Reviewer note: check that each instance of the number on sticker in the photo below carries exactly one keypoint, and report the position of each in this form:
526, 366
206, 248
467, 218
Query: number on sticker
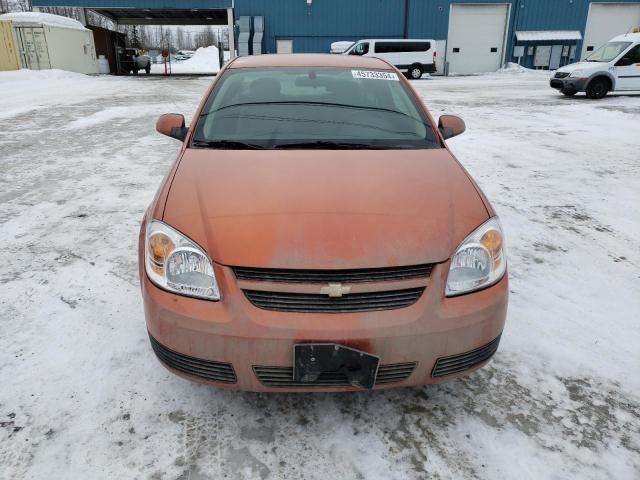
374, 75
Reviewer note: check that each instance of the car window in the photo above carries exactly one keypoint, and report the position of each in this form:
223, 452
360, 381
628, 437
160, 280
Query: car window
360, 49
347, 108
634, 54
608, 52
400, 47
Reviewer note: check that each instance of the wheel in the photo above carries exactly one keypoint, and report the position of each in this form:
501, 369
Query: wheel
135, 71
598, 88
415, 72
148, 69
569, 93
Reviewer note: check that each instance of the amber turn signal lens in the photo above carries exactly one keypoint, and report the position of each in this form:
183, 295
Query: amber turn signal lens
160, 246
492, 241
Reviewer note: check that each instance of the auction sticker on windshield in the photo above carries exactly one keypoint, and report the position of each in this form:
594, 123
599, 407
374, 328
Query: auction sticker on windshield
374, 75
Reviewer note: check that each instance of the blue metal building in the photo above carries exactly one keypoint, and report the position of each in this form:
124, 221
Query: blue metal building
551, 31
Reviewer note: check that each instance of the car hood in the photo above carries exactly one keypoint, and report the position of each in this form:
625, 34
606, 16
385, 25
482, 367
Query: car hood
323, 209
578, 66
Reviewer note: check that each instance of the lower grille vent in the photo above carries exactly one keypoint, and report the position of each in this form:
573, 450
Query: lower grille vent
283, 376
464, 361
196, 367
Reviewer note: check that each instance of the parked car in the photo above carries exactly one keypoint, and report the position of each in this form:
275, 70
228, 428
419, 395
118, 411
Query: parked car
615, 66
340, 47
316, 233
132, 61
414, 57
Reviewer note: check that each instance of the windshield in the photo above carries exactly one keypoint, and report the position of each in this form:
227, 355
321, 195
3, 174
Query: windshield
312, 108
608, 52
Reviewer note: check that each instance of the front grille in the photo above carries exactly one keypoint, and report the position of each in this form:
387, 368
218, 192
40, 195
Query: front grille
283, 376
352, 302
326, 276
196, 367
561, 74
464, 361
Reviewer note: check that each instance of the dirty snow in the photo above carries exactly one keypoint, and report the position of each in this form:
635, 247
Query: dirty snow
82, 395
31, 18
204, 61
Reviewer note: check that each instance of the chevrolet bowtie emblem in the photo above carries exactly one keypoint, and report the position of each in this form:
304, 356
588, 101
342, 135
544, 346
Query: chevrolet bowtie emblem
335, 290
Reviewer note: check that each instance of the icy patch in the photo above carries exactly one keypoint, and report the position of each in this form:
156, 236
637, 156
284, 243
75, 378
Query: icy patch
102, 116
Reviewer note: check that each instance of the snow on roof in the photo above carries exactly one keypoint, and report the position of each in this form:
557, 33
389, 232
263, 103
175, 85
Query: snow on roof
539, 35
43, 19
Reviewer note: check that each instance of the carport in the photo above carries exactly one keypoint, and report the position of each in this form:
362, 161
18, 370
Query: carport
155, 12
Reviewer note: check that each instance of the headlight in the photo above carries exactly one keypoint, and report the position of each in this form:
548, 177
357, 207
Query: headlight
479, 261
177, 264
576, 74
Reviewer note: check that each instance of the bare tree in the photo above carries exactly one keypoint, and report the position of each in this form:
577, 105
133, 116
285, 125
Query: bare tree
180, 42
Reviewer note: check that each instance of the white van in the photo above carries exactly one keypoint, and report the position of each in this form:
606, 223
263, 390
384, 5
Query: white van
615, 66
413, 56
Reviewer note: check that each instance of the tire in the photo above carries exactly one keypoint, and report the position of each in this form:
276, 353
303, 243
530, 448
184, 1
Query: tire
147, 69
598, 88
569, 93
415, 72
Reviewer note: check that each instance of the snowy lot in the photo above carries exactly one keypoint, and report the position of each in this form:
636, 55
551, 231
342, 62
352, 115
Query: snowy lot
82, 395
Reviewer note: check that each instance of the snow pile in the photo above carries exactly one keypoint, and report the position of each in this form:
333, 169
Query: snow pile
205, 60
25, 90
49, 19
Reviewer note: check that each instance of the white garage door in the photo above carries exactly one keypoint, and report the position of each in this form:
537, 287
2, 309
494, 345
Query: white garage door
476, 37
607, 20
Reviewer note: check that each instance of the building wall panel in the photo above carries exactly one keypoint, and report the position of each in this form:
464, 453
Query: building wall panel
314, 27
8, 48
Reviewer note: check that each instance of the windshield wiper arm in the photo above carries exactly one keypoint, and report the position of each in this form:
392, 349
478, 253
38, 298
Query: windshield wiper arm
321, 104
327, 144
226, 144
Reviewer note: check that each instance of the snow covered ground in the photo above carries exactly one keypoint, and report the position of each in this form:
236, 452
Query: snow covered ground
204, 60
82, 396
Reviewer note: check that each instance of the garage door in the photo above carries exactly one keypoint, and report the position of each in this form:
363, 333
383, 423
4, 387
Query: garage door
605, 21
476, 37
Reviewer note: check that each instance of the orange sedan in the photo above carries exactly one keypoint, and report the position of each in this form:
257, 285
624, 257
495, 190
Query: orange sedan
316, 233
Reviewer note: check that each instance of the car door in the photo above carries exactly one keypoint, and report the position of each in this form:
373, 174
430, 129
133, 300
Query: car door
628, 70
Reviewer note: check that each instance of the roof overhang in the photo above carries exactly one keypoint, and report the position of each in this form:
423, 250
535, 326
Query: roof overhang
147, 16
152, 12
547, 35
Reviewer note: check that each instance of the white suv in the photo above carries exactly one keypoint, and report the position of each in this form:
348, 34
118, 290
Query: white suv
414, 56
613, 67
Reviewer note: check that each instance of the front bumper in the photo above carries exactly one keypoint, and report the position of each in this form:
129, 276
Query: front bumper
568, 84
234, 344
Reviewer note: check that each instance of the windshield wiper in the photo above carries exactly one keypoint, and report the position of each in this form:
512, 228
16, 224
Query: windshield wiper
328, 145
320, 104
226, 144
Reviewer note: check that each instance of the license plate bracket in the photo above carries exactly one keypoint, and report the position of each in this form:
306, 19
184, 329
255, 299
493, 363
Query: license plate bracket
310, 360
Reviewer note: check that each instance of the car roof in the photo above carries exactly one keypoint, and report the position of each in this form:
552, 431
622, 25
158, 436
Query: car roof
309, 60
627, 37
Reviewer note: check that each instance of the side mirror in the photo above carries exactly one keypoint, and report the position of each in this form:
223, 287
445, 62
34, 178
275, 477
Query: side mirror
624, 62
172, 125
451, 126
